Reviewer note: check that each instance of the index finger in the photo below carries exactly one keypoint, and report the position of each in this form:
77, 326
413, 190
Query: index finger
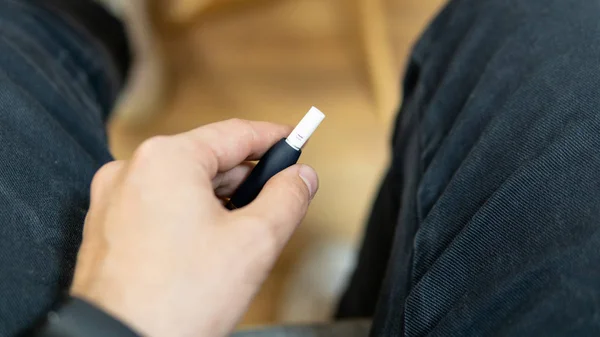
231, 142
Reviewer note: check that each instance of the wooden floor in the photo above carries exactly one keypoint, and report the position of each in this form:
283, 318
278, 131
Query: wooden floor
272, 62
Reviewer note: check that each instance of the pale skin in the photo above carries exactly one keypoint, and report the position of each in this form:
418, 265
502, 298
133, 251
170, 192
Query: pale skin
162, 254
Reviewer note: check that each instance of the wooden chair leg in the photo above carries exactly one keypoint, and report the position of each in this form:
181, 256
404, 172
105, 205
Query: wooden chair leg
186, 11
183, 11
378, 54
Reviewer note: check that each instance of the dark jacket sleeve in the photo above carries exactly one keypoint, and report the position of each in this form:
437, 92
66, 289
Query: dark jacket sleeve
78, 318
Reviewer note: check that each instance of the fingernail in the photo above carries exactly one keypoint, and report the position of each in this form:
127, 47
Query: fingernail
310, 178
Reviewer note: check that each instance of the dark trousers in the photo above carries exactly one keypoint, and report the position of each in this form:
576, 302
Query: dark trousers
57, 85
486, 222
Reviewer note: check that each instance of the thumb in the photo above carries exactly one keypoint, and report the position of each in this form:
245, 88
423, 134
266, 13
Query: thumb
283, 202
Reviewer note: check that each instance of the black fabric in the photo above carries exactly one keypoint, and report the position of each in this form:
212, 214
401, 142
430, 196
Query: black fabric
78, 318
100, 25
56, 92
488, 222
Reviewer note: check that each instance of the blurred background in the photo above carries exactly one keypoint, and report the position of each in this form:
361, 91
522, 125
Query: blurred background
272, 60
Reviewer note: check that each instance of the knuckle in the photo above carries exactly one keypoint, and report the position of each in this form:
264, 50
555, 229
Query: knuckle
204, 150
97, 184
104, 176
207, 157
105, 172
150, 148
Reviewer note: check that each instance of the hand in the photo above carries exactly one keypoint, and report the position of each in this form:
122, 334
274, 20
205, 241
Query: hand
161, 253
